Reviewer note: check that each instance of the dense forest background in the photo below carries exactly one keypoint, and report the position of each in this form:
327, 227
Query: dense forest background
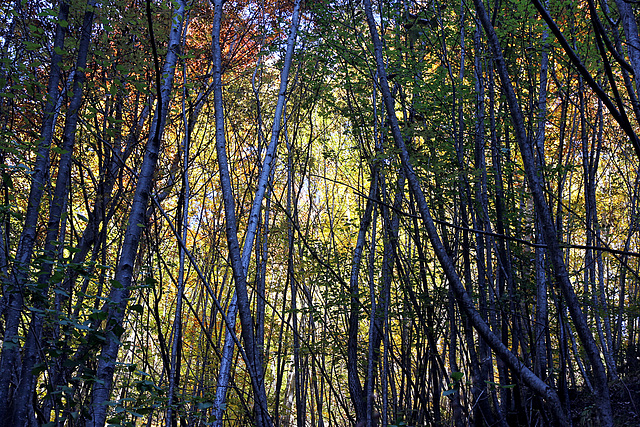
319, 213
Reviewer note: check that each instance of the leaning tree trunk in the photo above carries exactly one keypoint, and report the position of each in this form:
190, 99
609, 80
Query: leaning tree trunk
237, 262
254, 216
630, 28
137, 218
23, 405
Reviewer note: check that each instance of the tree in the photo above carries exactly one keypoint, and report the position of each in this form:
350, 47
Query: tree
411, 206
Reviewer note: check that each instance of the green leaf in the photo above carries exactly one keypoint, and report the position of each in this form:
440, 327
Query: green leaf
204, 405
61, 292
6, 178
118, 330
98, 315
149, 282
32, 46
38, 369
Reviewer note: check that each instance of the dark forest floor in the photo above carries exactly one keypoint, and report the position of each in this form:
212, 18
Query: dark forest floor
625, 402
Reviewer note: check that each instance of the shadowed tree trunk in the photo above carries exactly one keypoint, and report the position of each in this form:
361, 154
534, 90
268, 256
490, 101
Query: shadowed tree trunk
23, 409
118, 298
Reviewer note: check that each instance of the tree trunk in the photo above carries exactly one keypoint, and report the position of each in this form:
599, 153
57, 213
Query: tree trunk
237, 259
630, 28
118, 298
254, 217
23, 398
356, 391
183, 228
20, 270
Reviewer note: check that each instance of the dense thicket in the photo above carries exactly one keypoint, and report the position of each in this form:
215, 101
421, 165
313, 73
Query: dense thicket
324, 213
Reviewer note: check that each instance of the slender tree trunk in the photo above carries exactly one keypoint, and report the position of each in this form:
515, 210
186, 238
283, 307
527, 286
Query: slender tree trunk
254, 217
5, 223
176, 342
382, 318
630, 28
617, 49
471, 218
23, 398
123, 280
356, 392
20, 271
483, 242
254, 367
618, 331
291, 281
542, 305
